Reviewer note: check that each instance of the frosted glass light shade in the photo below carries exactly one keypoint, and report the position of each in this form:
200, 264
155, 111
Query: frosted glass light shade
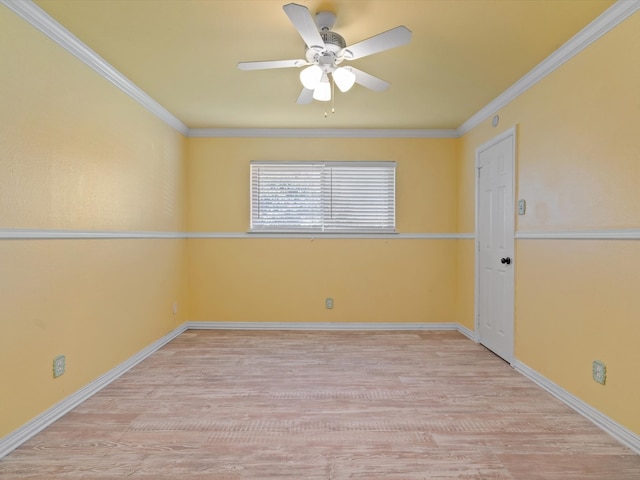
310, 77
344, 78
323, 90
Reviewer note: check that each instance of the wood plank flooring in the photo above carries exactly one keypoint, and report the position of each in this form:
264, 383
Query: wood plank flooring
237, 405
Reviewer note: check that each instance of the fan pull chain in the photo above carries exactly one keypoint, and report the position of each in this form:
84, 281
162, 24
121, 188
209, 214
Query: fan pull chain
333, 98
333, 95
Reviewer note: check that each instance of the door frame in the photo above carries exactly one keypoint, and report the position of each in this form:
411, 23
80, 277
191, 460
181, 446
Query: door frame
511, 132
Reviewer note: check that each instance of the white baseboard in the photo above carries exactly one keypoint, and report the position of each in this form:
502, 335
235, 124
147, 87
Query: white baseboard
470, 334
42, 421
617, 431
320, 326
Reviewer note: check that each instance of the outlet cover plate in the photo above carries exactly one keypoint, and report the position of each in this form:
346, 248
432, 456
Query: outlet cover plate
59, 365
328, 303
599, 372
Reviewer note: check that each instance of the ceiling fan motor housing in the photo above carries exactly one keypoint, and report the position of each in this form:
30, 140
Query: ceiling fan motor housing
333, 41
331, 56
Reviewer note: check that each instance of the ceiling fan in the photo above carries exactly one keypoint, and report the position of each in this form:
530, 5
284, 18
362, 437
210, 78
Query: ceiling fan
325, 52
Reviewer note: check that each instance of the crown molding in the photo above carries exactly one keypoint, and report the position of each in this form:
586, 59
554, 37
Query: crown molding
40, 20
43, 22
318, 133
611, 17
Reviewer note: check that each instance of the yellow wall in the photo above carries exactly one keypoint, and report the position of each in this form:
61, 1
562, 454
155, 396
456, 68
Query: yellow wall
465, 248
78, 154
578, 169
287, 280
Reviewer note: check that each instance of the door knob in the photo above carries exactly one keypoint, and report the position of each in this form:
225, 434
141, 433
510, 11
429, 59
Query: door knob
505, 261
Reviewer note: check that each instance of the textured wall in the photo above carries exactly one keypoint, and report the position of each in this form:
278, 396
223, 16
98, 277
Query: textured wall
578, 169
78, 154
371, 280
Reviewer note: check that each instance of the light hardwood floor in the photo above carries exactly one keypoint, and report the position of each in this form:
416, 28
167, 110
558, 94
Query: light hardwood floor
231, 405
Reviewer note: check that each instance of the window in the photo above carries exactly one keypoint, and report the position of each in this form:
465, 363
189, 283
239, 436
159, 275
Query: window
331, 197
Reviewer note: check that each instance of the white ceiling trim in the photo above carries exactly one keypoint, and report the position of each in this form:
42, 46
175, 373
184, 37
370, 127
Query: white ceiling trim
318, 133
610, 18
42, 21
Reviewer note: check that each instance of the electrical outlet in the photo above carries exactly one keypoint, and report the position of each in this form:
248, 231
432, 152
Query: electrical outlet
328, 303
175, 307
599, 371
59, 365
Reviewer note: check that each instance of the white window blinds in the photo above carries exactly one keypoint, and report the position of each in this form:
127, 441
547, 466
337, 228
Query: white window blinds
347, 197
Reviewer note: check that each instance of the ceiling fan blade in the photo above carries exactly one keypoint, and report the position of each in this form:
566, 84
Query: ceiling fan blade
272, 64
304, 23
374, 83
306, 96
383, 41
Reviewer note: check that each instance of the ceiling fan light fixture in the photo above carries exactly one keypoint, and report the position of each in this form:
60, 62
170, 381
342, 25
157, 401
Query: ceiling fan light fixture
344, 78
311, 76
322, 92
325, 50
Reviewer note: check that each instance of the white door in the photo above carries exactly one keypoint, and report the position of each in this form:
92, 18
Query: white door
495, 245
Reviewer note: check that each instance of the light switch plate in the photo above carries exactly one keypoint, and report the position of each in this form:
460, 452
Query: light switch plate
522, 206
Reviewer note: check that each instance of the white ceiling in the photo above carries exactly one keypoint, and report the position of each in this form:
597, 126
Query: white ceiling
463, 54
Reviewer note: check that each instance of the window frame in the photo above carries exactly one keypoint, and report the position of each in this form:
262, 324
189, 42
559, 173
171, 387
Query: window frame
366, 204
